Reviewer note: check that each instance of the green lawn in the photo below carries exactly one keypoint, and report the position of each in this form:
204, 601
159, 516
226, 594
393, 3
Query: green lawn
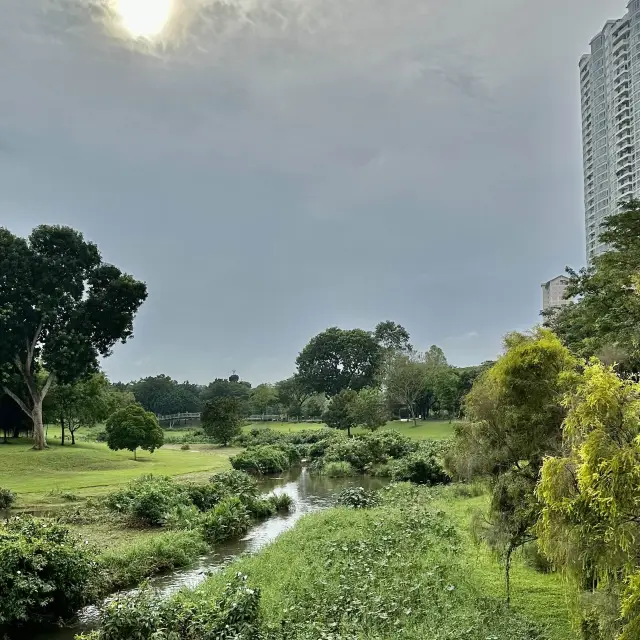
92, 468
538, 596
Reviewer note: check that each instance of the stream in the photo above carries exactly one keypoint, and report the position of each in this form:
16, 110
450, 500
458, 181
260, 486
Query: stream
309, 493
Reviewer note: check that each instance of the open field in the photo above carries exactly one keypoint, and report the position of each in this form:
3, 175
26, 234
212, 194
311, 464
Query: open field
88, 468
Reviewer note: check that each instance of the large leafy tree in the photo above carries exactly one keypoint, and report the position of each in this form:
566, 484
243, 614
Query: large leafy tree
369, 409
392, 337
515, 416
292, 395
590, 495
61, 308
263, 398
405, 382
605, 318
134, 428
339, 413
339, 359
222, 419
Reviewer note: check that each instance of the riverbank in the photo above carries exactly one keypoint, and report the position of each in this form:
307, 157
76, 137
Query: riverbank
407, 568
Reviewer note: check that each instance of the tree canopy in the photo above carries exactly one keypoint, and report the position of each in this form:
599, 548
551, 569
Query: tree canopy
222, 419
339, 359
61, 308
134, 428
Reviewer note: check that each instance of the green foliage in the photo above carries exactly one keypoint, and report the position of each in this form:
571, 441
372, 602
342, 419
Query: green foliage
165, 396
590, 523
422, 466
148, 499
230, 518
263, 398
338, 359
281, 501
392, 337
369, 409
62, 309
339, 412
262, 460
123, 568
222, 419
358, 498
45, 572
405, 382
134, 428
7, 498
233, 614
234, 483
605, 319
339, 469
258, 436
292, 395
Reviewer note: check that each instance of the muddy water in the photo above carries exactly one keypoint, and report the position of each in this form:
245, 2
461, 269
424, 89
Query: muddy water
309, 492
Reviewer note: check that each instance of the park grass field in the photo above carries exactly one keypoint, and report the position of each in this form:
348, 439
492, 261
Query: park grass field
40, 477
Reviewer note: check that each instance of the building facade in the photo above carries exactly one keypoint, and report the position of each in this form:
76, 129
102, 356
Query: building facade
553, 293
610, 92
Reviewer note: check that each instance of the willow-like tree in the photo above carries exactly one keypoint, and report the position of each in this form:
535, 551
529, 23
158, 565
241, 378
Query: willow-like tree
590, 495
61, 308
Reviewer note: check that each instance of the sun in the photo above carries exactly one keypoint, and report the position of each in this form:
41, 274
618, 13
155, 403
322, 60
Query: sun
144, 18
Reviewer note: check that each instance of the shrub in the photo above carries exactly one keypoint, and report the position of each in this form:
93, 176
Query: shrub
313, 436
535, 559
185, 447
204, 496
390, 444
259, 508
150, 556
281, 501
184, 517
358, 498
148, 499
355, 451
69, 497
101, 436
45, 572
234, 614
259, 436
234, 483
420, 467
261, 460
338, 470
228, 519
7, 498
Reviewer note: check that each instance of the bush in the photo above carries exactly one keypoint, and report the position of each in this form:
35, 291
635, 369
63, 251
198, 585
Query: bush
45, 572
185, 447
262, 460
338, 470
358, 498
259, 436
148, 499
234, 483
204, 496
355, 451
7, 498
234, 614
228, 519
420, 467
535, 559
101, 436
281, 501
183, 517
313, 436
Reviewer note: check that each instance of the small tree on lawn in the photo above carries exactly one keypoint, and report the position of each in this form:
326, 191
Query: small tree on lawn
369, 410
222, 419
134, 428
340, 411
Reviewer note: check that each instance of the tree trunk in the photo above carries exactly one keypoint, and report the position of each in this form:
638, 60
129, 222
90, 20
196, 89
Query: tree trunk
349, 431
62, 427
73, 437
134, 454
39, 439
507, 574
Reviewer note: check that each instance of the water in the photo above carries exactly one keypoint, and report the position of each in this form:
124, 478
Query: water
309, 493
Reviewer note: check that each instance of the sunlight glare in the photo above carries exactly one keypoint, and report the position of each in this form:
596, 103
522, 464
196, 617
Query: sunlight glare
144, 18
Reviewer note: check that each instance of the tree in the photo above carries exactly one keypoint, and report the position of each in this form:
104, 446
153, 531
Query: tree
392, 337
447, 391
134, 428
369, 410
590, 495
61, 308
315, 406
292, 394
263, 397
515, 416
339, 413
222, 419
164, 396
80, 404
339, 359
405, 382
606, 314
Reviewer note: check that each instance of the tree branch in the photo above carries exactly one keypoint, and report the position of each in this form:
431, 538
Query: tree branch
17, 400
32, 347
47, 385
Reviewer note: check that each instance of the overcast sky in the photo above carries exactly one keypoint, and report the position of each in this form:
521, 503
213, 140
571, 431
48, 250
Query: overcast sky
274, 167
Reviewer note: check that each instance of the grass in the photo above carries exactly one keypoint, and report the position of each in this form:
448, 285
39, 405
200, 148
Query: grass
538, 596
398, 571
40, 477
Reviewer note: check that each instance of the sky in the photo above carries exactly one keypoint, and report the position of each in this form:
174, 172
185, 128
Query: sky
271, 168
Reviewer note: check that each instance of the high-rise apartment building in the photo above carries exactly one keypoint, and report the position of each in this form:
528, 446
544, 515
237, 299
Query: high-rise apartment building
610, 87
